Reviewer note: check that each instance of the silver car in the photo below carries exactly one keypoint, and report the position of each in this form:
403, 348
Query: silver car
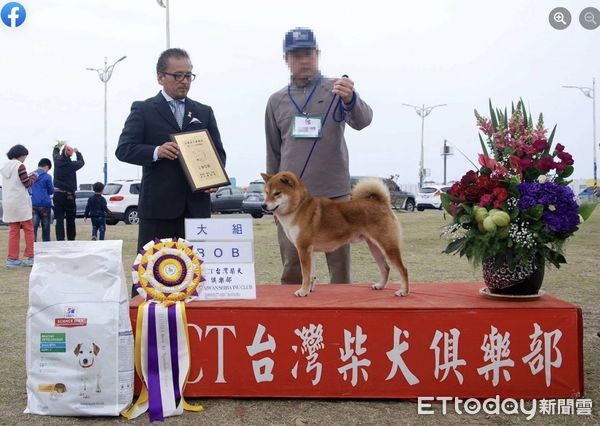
81, 199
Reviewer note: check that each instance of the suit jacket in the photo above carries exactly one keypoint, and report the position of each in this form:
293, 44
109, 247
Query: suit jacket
165, 192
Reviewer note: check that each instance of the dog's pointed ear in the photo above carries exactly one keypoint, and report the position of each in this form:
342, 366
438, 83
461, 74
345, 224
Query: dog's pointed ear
96, 348
288, 180
77, 349
266, 177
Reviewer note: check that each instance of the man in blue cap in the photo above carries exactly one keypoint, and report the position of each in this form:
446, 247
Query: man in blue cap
304, 126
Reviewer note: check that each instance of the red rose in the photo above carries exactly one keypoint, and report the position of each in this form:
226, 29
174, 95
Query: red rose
545, 164
472, 193
540, 145
566, 158
526, 163
560, 166
501, 194
559, 147
485, 200
455, 189
468, 178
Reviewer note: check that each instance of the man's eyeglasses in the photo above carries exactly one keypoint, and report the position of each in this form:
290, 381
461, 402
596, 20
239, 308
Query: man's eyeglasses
178, 76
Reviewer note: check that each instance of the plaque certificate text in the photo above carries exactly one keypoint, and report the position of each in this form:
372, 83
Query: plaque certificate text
200, 161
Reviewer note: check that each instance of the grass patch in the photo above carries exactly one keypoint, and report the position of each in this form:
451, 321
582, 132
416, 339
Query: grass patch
576, 282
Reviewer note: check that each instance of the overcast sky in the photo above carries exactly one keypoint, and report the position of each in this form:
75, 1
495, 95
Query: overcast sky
421, 52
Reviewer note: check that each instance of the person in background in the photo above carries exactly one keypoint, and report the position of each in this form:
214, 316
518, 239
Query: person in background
41, 191
65, 185
16, 204
96, 209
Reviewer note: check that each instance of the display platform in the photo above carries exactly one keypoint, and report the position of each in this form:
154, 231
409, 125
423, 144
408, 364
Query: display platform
349, 341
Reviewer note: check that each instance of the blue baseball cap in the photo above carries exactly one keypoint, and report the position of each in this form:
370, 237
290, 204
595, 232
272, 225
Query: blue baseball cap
299, 38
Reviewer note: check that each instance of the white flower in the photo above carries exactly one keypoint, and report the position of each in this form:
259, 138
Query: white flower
542, 178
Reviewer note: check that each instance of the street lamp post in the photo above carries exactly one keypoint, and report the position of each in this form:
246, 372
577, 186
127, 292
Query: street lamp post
422, 112
590, 92
165, 5
105, 74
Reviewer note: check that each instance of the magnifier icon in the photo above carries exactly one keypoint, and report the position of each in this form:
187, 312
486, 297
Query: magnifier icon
560, 17
589, 18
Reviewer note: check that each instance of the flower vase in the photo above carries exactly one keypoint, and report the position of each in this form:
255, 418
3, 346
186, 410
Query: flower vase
519, 281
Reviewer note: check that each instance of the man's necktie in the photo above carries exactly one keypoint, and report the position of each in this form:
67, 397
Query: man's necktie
179, 107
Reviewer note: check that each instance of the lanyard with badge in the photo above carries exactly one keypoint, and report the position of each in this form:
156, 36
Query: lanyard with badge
306, 121
304, 125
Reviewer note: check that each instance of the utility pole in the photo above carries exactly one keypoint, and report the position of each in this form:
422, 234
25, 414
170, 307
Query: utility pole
446, 152
105, 74
590, 92
165, 4
422, 112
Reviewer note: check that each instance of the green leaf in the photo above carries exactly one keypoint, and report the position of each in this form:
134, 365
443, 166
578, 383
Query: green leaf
568, 171
586, 210
524, 111
455, 246
505, 118
445, 198
493, 117
535, 213
550, 139
465, 218
483, 148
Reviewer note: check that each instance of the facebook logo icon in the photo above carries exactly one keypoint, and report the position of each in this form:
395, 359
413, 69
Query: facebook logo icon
13, 14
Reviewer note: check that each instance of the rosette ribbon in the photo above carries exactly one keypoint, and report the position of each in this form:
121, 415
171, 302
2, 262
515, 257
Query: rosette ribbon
167, 273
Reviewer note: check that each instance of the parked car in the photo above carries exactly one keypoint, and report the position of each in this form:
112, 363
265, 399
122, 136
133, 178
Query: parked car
429, 196
254, 199
587, 195
399, 199
122, 200
227, 200
81, 198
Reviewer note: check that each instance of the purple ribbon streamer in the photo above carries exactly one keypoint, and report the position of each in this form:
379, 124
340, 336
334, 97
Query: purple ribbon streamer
172, 315
155, 400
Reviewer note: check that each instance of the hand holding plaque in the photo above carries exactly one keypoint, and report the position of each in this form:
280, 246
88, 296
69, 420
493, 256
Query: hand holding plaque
199, 160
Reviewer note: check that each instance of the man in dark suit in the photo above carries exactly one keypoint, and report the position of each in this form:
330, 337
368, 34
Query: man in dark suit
165, 195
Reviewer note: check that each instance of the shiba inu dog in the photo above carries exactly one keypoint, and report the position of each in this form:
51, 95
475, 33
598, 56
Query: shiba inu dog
319, 224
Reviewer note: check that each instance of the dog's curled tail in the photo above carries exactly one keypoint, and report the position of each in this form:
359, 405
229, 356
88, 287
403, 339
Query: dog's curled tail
371, 188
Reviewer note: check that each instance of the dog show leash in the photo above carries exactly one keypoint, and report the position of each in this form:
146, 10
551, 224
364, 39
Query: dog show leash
342, 117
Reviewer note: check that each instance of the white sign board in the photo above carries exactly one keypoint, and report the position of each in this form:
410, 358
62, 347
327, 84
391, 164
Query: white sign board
225, 246
236, 229
224, 251
228, 281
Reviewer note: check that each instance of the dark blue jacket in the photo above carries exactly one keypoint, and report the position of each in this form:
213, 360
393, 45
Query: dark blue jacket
96, 207
65, 169
42, 189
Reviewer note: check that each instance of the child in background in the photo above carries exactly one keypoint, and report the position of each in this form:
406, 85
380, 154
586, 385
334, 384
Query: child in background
16, 205
41, 192
97, 209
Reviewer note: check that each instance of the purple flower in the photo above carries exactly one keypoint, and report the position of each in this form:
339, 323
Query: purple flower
560, 208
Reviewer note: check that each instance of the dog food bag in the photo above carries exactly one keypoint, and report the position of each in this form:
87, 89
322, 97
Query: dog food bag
79, 337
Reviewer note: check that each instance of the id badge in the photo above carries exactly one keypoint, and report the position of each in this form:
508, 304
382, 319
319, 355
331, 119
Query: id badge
306, 127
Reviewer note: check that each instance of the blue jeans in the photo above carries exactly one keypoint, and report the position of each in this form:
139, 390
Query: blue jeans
98, 227
42, 215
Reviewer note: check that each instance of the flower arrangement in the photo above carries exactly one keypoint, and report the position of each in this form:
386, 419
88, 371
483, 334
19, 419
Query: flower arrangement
517, 208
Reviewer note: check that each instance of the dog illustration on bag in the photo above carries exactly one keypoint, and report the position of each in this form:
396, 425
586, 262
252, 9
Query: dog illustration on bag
87, 354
